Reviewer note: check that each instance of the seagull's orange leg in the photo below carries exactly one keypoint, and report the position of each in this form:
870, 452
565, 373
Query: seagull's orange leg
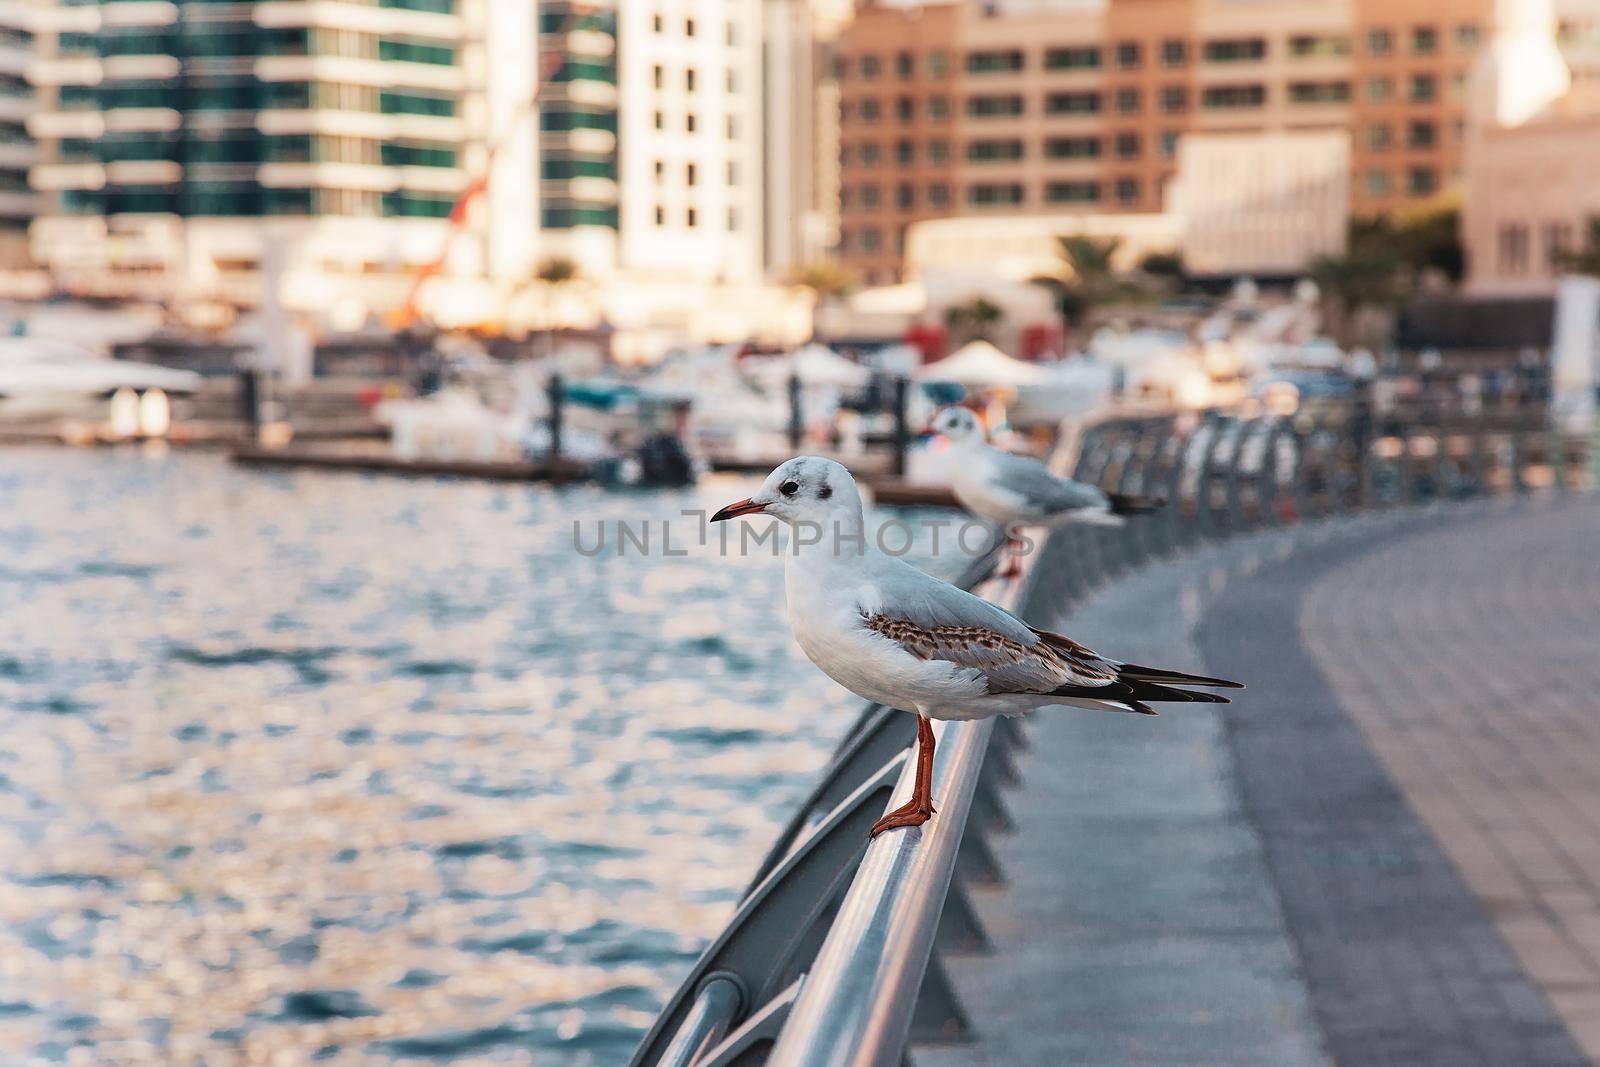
919, 809
1013, 567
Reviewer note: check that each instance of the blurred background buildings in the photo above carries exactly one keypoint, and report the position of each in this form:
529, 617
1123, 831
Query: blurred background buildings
674, 172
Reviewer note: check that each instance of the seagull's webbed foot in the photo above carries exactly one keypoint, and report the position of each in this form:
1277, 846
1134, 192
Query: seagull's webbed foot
911, 813
919, 809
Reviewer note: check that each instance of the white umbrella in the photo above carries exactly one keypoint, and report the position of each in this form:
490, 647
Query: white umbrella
819, 365
980, 364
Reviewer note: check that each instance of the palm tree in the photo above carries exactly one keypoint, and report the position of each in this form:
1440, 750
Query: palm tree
1087, 278
1367, 277
828, 280
557, 270
973, 318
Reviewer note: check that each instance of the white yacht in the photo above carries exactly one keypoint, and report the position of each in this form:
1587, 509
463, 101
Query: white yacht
41, 377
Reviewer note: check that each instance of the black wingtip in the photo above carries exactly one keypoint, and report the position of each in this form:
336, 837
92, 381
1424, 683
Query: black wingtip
1128, 504
1165, 677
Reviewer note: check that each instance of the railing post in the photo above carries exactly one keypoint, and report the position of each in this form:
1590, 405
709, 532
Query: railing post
902, 433
557, 398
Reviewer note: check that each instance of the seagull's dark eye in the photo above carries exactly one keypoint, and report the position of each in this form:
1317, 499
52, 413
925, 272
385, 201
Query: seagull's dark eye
789, 488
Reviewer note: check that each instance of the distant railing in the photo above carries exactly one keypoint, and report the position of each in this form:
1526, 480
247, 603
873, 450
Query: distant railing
834, 956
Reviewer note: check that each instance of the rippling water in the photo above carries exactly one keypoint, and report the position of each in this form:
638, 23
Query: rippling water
323, 768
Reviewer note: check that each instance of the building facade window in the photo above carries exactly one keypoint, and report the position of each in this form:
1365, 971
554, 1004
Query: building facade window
938, 107
1077, 192
905, 65
1087, 103
994, 106
905, 108
995, 194
1379, 137
1308, 45
1376, 182
1557, 245
1424, 40
1174, 99
1379, 89
1169, 143
1006, 61
938, 194
1128, 101
1224, 97
1127, 145
994, 151
1174, 53
938, 151
1513, 248
1076, 57
1332, 92
1380, 42
1072, 148
1422, 181
1421, 134
1235, 50
1129, 54
1424, 87
1127, 191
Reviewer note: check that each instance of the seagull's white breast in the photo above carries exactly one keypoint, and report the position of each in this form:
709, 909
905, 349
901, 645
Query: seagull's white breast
828, 609
974, 481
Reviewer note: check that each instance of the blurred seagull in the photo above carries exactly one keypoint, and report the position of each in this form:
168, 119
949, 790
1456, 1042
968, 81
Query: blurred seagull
898, 637
1017, 491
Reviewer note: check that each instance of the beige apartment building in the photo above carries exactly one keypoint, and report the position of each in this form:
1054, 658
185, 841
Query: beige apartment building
976, 109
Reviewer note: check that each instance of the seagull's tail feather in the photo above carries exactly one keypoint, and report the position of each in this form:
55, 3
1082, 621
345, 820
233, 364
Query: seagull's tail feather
1134, 672
1130, 504
1135, 693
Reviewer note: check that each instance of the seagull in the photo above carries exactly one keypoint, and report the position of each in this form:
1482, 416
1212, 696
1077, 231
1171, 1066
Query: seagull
898, 637
1017, 491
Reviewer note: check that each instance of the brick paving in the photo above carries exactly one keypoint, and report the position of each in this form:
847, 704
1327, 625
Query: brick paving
1385, 852
1470, 658
1412, 741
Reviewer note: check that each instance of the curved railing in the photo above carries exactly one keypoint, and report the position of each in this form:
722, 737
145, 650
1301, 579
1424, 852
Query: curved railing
834, 954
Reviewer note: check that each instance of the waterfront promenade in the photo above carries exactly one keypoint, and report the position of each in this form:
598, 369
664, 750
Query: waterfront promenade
1385, 852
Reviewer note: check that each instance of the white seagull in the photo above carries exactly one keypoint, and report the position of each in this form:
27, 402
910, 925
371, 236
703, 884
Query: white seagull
1016, 490
901, 638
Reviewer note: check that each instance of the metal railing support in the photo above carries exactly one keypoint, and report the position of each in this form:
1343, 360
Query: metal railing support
857, 1003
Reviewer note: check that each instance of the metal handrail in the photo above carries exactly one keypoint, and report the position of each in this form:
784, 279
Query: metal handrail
856, 1007
833, 958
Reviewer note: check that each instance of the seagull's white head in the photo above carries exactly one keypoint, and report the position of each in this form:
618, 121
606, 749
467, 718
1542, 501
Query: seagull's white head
806, 489
959, 424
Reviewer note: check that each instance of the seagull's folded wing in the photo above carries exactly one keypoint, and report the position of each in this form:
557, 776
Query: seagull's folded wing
1043, 491
933, 620
1007, 664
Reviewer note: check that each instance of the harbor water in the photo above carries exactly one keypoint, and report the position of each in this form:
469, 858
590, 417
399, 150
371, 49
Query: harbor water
327, 768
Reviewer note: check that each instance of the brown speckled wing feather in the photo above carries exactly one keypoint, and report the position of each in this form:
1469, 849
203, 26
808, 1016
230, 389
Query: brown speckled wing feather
1008, 665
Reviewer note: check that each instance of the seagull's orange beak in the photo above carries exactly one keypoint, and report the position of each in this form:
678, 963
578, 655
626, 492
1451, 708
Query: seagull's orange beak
739, 507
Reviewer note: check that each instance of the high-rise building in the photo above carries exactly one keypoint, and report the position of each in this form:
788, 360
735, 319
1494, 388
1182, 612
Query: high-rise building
179, 140
973, 108
17, 200
176, 140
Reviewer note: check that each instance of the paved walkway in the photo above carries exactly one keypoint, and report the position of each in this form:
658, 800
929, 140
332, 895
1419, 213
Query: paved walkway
1253, 884
1470, 658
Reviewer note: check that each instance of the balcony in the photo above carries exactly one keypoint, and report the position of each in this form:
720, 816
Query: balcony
51, 177
361, 18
